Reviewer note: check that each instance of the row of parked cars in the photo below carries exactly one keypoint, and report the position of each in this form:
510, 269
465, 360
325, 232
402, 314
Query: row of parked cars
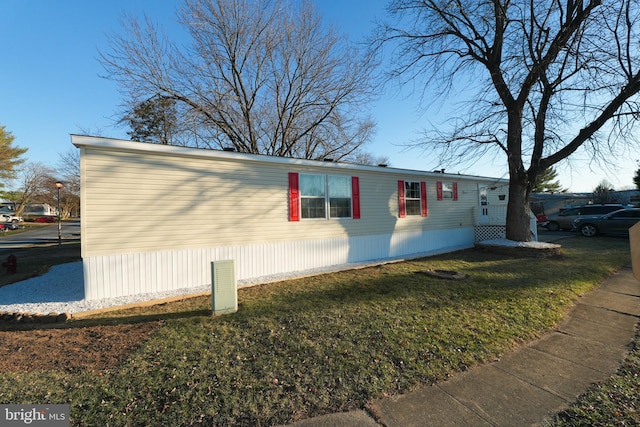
591, 220
9, 222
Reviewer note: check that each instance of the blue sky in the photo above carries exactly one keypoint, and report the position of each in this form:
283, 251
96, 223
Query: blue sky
50, 84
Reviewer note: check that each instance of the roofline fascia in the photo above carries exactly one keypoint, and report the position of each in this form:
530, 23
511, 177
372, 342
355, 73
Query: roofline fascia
81, 141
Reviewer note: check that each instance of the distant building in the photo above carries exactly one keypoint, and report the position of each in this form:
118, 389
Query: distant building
39, 209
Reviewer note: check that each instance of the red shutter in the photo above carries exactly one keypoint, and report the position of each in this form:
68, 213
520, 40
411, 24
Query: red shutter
439, 190
294, 197
402, 207
455, 191
355, 196
423, 197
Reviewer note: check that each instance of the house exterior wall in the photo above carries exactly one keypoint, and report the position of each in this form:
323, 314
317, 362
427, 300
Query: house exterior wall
155, 217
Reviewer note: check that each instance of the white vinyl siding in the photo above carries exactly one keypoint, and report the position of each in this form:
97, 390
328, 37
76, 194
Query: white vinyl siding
139, 201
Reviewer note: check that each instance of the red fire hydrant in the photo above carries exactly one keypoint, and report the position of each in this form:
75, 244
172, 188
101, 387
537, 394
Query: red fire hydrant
11, 264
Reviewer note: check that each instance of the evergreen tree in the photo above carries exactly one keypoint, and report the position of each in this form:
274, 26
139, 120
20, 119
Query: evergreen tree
153, 120
636, 179
10, 156
545, 182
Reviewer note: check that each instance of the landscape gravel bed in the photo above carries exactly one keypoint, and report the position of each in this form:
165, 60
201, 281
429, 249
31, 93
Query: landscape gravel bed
61, 290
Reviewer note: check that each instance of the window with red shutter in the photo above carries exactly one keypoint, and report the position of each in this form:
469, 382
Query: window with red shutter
447, 190
412, 198
423, 198
294, 197
355, 196
402, 208
319, 196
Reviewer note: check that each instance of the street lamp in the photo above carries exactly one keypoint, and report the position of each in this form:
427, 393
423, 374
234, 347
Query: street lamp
59, 186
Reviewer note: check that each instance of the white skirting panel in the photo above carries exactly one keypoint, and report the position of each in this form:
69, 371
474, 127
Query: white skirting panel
112, 276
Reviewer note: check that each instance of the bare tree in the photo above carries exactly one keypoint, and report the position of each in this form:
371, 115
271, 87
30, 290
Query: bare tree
259, 76
604, 192
544, 78
33, 182
68, 171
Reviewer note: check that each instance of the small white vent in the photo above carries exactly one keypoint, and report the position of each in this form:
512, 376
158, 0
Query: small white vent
224, 292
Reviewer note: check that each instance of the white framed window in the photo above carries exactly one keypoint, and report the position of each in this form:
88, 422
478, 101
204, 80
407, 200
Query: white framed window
482, 193
447, 190
312, 196
325, 196
413, 201
339, 190
412, 198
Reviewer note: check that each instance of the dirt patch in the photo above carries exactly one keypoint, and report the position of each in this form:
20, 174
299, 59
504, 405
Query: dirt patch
444, 274
72, 349
549, 251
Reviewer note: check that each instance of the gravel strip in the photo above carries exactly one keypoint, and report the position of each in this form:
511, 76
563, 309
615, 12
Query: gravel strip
61, 290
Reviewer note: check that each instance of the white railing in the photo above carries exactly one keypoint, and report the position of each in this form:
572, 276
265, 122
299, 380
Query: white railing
496, 215
491, 215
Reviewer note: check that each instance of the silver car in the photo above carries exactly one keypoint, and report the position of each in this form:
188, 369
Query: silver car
618, 222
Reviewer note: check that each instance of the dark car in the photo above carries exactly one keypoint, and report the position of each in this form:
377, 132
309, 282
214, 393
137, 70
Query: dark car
564, 219
618, 222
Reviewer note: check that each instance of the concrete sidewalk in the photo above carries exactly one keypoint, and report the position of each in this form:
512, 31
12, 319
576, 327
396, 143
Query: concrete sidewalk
528, 386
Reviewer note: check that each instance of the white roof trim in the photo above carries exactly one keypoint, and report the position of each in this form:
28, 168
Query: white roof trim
82, 141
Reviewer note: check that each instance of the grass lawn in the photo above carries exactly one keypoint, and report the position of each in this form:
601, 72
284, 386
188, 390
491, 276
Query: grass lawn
615, 402
328, 343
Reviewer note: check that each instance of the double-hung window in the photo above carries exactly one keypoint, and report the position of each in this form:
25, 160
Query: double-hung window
314, 196
339, 189
447, 190
412, 198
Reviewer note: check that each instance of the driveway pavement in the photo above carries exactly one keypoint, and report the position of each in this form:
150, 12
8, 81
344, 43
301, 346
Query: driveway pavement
43, 235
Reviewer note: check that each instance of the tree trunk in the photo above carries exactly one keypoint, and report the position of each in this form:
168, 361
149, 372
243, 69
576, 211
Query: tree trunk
518, 225
518, 228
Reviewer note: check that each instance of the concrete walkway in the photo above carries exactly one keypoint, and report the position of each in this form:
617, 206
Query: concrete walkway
530, 385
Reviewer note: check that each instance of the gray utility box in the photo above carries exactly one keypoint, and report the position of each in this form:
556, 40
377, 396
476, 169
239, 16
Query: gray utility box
224, 290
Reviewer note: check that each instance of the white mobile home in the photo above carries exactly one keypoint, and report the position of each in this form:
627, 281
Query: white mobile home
156, 216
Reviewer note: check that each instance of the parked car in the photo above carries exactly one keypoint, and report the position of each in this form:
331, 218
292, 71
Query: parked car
10, 226
618, 222
5, 217
542, 220
564, 219
45, 219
